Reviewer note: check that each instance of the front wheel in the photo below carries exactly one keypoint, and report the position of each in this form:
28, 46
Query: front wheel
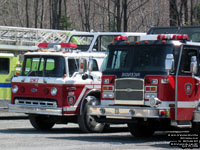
87, 123
141, 129
195, 128
41, 122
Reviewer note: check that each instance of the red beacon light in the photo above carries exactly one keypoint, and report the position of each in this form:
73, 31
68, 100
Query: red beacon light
161, 37
121, 38
181, 37
43, 45
57, 46
68, 45
172, 37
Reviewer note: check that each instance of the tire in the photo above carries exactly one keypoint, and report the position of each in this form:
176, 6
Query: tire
141, 129
41, 122
87, 123
195, 128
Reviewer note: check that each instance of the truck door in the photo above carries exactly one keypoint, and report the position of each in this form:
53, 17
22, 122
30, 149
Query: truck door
80, 82
187, 88
6, 73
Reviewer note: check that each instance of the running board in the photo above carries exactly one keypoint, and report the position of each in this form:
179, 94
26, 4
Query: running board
181, 124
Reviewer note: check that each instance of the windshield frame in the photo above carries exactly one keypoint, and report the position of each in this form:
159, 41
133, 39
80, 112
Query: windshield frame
45, 72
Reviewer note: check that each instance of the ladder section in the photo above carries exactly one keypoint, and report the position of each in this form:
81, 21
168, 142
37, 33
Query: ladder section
23, 38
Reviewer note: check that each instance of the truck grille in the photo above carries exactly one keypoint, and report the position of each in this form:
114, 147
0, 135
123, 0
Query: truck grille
36, 103
129, 91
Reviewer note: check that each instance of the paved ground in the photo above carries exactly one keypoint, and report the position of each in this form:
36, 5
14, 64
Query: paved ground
18, 134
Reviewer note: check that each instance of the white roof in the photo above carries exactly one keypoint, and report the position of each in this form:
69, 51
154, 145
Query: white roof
69, 54
108, 33
6, 55
18, 47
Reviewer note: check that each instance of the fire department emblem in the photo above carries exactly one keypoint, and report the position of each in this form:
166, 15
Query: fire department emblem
71, 100
188, 88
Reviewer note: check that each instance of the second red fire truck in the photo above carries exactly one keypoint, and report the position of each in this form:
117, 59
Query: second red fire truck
151, 85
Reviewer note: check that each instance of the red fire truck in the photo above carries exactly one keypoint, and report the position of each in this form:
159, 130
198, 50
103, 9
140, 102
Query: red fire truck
54, 85
150, 85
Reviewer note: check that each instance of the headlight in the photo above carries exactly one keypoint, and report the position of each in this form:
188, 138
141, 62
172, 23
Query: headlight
54, 91
106, 81
15, 89
154, 102
150, 95
154, 81
108, 95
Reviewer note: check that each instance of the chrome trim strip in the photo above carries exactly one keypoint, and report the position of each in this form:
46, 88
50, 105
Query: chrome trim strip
176, 83
125, 111
35, 110
37, 103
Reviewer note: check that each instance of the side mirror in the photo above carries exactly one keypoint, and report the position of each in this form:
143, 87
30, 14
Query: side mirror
169, 63
193, 65
90, 66
82, 65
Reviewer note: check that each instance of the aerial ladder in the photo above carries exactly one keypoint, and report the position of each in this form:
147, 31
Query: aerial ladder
19, 39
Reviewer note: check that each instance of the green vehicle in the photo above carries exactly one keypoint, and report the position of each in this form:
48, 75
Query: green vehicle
9, 66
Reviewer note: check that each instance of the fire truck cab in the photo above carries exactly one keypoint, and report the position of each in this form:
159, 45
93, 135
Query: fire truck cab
54, 85
151, 85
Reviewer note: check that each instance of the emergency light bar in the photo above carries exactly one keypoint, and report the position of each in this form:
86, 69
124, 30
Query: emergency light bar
172, 37
63, 45
121, 38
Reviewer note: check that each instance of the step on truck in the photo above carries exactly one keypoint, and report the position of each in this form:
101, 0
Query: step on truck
150, 85
55, 82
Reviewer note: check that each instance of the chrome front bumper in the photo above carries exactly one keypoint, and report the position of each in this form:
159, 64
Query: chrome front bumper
126, 112
35, 110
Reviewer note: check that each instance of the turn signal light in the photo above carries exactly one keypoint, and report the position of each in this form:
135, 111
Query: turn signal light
108, 88
151, 89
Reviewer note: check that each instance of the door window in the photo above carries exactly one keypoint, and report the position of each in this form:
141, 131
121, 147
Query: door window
5, 66
186, 60
73, 66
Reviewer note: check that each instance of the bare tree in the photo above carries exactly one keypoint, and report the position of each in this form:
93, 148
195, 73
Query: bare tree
84, 12
27, 14
36, 12
42, 14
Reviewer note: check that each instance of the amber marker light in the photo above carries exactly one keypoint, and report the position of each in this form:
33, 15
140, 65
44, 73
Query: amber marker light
163, 41
128, 42
137, 42
172, 105
146, 42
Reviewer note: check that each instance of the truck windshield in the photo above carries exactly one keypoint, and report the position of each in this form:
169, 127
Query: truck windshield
139, 59
82, 41
48, 66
